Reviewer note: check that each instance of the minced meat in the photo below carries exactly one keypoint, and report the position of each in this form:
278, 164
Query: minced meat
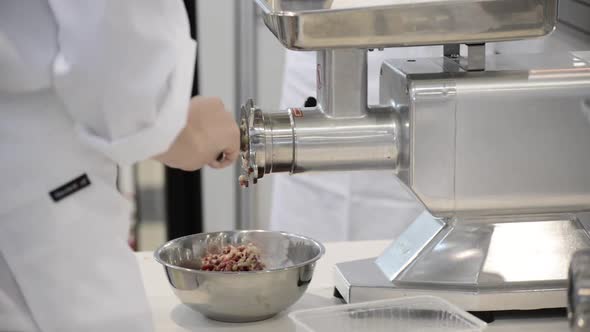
240, 258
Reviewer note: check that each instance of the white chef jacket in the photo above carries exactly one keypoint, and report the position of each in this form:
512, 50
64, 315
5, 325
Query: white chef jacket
84, 85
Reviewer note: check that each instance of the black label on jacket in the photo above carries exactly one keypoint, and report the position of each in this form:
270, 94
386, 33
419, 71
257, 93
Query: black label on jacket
70, 188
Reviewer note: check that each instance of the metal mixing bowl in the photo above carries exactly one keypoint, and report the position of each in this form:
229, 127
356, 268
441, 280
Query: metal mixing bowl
240, 296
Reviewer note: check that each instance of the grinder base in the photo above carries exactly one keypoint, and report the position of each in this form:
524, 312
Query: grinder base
479, 267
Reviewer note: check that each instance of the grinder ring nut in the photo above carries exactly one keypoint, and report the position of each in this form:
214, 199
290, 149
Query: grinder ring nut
248, 156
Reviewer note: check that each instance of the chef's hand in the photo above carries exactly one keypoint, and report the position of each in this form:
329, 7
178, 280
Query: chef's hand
210, 132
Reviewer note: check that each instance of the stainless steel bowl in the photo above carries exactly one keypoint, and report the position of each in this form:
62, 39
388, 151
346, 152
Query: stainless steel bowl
240, 296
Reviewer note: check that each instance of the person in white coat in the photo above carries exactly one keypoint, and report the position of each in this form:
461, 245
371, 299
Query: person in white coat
349, 206
86, 85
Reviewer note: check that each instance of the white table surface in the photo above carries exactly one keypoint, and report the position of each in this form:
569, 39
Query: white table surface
170, 315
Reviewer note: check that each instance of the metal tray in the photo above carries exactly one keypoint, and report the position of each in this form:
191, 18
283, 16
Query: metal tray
321, 24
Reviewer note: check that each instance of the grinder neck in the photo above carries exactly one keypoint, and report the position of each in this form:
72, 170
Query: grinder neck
342, 82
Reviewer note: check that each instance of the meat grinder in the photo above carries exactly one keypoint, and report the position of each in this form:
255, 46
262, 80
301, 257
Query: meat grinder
496, 147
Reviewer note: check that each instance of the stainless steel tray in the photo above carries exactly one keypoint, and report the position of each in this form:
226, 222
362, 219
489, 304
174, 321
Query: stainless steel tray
321, 24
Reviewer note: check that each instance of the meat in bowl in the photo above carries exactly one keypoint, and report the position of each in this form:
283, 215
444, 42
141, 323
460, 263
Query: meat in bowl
241, 258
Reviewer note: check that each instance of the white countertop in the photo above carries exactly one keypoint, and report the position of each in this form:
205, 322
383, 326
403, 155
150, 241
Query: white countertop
170, 315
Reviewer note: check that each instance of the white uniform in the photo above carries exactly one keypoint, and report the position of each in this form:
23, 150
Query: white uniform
349, 206
84, 85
